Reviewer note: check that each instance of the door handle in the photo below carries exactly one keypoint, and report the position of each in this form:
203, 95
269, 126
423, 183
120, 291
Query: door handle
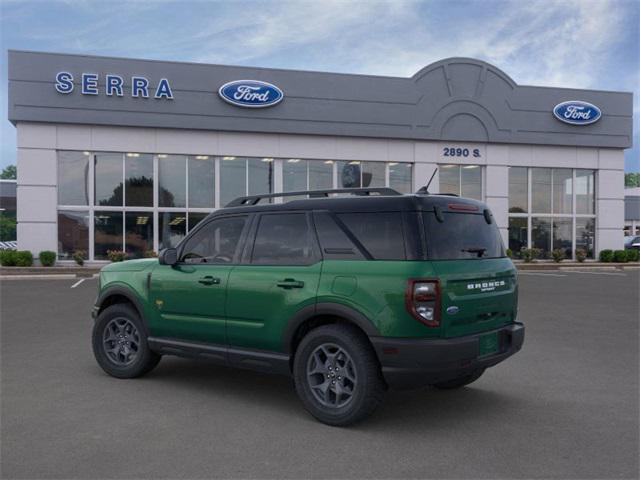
209, 280
288, 283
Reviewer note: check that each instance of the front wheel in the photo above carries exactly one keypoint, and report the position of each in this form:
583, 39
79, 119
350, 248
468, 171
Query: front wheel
337, 375
120, 344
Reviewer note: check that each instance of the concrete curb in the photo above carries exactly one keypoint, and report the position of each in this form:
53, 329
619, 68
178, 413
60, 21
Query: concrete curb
576, 265
48, 271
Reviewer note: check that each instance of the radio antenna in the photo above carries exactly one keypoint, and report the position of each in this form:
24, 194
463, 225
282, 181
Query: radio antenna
425, 190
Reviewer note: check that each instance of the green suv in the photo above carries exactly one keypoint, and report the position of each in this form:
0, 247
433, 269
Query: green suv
350, 292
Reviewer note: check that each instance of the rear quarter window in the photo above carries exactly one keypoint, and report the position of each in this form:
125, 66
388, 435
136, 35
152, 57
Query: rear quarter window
380, 233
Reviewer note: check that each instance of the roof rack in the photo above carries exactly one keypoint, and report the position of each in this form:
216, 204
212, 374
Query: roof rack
362, 192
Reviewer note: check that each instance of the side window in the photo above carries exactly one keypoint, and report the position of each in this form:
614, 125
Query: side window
335, 244
216, 242
283, 239
380, 233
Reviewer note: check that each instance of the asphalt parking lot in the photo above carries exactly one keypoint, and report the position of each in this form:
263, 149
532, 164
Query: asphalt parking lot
565, 407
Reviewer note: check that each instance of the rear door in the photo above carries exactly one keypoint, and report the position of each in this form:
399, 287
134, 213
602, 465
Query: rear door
279, 275
477, 281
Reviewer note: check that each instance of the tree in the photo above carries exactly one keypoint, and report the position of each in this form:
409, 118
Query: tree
632, 180
9, 173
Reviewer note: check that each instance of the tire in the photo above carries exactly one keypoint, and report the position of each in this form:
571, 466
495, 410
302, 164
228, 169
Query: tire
340, 354
460, 382
119, 326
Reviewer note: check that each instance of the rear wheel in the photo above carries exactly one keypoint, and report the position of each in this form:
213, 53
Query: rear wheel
120, 344
337, 375
461, 381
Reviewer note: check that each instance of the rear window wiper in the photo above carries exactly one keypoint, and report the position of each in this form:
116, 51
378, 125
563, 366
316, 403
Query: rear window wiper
478, 250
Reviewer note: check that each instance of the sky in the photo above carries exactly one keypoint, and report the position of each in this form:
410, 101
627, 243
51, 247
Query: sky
566, 43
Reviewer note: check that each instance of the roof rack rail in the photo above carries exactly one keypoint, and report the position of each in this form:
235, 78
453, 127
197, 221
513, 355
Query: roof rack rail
362, 192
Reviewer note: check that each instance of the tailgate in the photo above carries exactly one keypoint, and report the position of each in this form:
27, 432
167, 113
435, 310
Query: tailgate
476, 295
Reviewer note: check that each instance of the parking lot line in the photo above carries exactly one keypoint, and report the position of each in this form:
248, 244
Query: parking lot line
600, 273
543, 274
78, 283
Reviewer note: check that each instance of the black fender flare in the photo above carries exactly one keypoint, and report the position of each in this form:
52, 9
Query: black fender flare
333, 309
129, 295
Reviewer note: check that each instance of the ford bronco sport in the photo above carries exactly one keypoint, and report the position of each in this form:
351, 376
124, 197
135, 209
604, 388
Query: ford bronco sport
349, 294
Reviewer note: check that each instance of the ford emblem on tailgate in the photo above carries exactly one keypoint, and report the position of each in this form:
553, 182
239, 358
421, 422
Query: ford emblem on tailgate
452, 310
577, 112
250, 93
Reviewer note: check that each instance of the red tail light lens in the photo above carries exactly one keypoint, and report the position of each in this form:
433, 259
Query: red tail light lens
422, 300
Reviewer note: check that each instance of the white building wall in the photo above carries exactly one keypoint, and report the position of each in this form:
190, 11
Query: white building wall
37, 145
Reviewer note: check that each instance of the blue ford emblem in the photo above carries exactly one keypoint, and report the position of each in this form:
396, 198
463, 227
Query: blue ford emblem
250, 93
577, 112
452, 310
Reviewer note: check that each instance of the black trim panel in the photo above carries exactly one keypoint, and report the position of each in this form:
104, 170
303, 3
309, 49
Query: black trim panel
118, 290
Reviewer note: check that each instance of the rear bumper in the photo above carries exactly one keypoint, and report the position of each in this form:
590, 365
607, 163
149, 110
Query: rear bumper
411, 363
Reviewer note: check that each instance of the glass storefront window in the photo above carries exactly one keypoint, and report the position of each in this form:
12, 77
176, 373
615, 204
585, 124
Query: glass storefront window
518, 190
171, 181
202, 176
471, 181
294, 175
563, 235
373, 174
449, 179
541, 190
517, 235
320, 174
73, 233
138, 233
541, 235
349, 174
401, 177
585, 235
108, 179
562, 190
107, 233
172, 227
233, 179
585, 192
138, 173
195, 218
260, 175
73, 178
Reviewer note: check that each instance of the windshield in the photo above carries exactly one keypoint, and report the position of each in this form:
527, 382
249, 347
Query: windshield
461, 236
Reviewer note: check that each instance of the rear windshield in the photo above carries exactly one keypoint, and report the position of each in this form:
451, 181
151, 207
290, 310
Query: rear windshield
461, 236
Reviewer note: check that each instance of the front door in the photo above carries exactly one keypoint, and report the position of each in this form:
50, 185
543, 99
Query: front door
190, 296
279, 276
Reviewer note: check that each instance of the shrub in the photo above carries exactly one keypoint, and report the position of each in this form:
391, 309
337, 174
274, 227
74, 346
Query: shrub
633, 255
606, 256
116, 255
80, 256
24, 258
558, 255
620, 256
8, 258
509, 253
581, 254
527, 255
47, 258
149, 254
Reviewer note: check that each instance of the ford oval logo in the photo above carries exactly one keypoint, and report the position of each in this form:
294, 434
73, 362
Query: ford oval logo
251, 93
452, 310
577, 112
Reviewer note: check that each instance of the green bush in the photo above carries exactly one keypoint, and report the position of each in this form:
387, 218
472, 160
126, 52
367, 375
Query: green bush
509, 253
47, 258
581, 254
150, 254
606, 256
633, 255
620, 256
116, 255
558, 255
80, 256
8, 258
24, 258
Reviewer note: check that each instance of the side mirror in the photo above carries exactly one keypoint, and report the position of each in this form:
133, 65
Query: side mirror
168, 256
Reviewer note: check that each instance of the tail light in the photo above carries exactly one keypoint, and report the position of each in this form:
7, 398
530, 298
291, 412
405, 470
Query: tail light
422, 300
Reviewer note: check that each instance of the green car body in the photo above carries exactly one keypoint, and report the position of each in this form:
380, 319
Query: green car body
253, 314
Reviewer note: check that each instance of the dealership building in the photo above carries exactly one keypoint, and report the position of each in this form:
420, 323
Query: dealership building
127, 154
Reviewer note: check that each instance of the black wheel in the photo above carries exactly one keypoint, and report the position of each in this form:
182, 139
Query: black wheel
337, 375
120, 344
461, 381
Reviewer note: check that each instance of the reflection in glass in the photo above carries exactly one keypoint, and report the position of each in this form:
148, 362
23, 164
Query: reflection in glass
562, 235
517, 235
202, 182
541, 190
449, 179
233, 179
73, 178
373, 174
138, 233
108, 179
541, 235
195, 218
320, 175
562, 190
138, 173
294, 175
518, 190
471, 179
585, 191
260, 175
586, 234
400, 177
73, 233
171, 179
172, 227
349, 174
107, 232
